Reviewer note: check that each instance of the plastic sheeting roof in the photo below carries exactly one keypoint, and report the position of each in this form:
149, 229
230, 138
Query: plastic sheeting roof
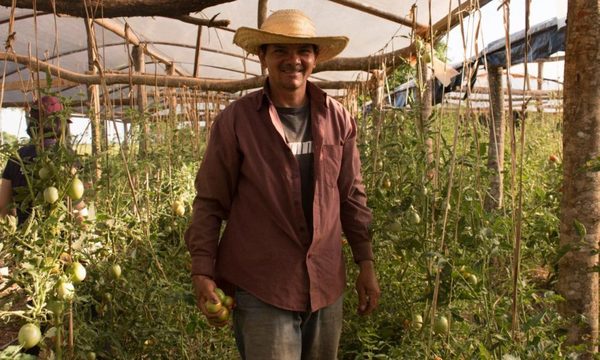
62, 39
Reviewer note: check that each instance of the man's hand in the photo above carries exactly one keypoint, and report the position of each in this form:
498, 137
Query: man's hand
205, 291
367, 288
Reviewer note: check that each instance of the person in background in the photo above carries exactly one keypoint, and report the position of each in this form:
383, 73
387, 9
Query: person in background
45, 128
282, 169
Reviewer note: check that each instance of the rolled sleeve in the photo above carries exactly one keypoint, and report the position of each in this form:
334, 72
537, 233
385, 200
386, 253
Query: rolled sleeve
215, 184
355, 216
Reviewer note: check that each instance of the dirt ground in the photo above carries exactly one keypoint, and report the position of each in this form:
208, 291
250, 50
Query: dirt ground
10, 330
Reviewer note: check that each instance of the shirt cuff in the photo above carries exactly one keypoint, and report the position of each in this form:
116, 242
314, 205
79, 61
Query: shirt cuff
203, 266
362, 251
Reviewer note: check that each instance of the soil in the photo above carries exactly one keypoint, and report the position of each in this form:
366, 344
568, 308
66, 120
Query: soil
9, 331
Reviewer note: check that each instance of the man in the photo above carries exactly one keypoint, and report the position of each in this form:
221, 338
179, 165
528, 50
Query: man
283, 170
46, 128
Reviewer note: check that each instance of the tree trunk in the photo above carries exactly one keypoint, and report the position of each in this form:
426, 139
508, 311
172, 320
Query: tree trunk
494, 197
580, 210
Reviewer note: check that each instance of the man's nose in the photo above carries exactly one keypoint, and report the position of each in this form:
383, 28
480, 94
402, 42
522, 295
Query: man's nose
293, 56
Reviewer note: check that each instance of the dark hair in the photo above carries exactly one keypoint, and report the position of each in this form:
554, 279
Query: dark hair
263, 48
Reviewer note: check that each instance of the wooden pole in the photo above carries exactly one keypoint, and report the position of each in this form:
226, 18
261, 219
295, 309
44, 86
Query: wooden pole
494, 197
197, 53
365, 63
421, 29
93, 92
171, 94
262, 15
262, 12
141, 96
425, 100
540, 83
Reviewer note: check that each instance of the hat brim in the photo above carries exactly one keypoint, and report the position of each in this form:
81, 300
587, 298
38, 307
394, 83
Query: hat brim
251, 40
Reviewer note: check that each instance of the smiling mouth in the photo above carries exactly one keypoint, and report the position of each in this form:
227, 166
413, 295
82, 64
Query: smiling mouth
292, 70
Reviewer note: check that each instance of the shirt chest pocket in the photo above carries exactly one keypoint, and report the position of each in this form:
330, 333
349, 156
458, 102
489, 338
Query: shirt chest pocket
331, 162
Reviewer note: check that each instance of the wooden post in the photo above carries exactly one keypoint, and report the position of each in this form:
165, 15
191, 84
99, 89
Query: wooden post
425, 99
171, 94
93, 94
172, 101
494, 197
141, 96
126, 125
540, 83
578, 281
262, 15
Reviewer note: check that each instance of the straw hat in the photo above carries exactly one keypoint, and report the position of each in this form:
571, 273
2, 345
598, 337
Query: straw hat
289, 27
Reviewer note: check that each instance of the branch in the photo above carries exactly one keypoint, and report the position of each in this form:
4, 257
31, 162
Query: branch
366, 63
154, 80
117, 8
202, 22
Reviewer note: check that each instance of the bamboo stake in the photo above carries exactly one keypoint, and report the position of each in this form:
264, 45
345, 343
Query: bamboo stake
93, 98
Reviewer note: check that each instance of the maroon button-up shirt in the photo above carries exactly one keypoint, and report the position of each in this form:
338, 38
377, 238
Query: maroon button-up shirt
250, 179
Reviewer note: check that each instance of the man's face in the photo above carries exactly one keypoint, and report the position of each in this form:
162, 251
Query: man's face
289, 65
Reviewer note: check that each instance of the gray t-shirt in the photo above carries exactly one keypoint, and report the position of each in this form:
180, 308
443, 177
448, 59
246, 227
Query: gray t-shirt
298, 131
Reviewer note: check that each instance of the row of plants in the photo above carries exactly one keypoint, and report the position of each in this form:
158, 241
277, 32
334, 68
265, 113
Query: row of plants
117, 286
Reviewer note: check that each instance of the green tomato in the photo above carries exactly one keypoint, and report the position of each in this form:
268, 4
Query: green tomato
417, 321
65, 290
414, 217
472, 279
220, 293
44, 172
29, 335
228, 301
115, 271
212, 307
440, 325
51, 195
75, 190
224, 315
77, 272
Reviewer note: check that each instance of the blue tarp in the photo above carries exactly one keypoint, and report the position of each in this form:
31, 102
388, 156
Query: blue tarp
545, 39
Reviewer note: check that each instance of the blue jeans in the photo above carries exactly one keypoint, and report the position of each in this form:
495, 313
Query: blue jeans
264, 332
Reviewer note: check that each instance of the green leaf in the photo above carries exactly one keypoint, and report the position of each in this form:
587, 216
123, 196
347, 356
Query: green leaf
579, 228
483, 352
